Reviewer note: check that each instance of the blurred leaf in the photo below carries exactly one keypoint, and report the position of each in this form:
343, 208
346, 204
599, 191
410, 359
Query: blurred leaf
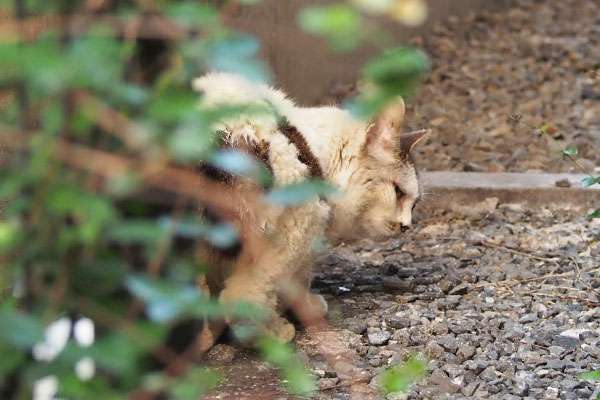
172, 105
237, 54
193, 385
10, 235
130, 231
595, 214
302, 192
11, 359
25, 330
99, 58
192, 15
281, 355
53, 117
395, 73
571, 151
340, 23
240, 163
165, 301
44, 67
398, 378
587, 182
590, 376
220, 235
191, 137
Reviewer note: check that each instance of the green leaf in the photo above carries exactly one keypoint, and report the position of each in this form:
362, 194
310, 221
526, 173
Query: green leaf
172, 105
595, 214
192, 15
220, 235
25, 330
242, 164
340, 23
398, 378
590, 376
587, 182
130, 231
395, 73
191, 137
165, 301
571, 151
302, 192
281, 355
336, 19
237, 54
194, 384
44, 67
99, 58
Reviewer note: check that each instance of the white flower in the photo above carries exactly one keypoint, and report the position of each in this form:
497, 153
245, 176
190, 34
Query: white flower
55, 340
84, 332
45, 388
85, 368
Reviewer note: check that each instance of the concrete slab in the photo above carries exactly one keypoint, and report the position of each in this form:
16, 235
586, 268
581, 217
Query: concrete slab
534, 190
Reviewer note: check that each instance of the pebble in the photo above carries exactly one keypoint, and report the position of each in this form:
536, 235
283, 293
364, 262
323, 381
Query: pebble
379, 338
220, 355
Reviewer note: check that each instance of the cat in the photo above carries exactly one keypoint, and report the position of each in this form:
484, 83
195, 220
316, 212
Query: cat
370, 163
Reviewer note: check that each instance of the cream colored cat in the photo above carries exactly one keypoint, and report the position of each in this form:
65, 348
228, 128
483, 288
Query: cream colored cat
370, 162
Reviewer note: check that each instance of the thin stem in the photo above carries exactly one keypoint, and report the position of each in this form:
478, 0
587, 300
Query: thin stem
517, 118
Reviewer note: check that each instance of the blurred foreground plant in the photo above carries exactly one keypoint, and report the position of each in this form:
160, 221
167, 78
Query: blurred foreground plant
99, 223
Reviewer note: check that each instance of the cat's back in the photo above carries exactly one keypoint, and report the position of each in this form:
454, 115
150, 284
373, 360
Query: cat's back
265, 132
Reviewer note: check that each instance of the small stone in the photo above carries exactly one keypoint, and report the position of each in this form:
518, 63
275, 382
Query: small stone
477, 366
326, 383
379, 338
470, 389
449, 343
355, 325
558, 365
527, 318
531, 358
489, 374
397, 322
460, 289
580, 334
445, 285
434, 351
556, 350
220, 355
466, 352
567, 342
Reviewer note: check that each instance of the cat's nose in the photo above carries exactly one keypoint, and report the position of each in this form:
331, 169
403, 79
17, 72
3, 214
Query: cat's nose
404, 228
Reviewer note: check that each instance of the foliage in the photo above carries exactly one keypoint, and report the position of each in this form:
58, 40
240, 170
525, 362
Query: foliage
399, 377
90, 124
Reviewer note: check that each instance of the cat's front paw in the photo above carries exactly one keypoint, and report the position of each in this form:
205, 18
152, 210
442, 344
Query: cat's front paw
282, 329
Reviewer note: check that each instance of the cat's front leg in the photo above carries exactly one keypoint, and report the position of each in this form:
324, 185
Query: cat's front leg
291, 240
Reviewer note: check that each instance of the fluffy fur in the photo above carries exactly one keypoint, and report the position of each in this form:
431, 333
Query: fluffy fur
369, 162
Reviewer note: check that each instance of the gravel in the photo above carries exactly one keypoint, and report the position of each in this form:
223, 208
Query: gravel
540, 331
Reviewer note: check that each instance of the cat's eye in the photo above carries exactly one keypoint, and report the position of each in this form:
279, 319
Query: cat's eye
399, 192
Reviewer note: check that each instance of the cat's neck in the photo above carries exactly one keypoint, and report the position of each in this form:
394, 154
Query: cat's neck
334, 137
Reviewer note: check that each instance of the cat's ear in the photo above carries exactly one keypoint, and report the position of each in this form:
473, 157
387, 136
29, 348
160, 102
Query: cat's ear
409, 140
382, 134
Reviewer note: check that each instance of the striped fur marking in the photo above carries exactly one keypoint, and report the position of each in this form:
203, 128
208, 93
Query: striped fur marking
305, 155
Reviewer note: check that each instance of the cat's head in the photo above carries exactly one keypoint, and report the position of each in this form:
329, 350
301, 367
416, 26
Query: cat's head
381, 184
